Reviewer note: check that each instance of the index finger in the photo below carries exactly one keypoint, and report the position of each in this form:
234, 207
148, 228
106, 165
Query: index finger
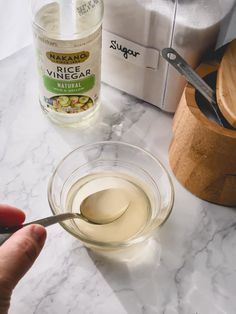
10, 215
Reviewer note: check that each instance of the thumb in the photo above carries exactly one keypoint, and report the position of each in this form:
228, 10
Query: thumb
17, 255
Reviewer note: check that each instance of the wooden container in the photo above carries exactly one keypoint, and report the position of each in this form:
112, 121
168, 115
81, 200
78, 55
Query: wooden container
202, 154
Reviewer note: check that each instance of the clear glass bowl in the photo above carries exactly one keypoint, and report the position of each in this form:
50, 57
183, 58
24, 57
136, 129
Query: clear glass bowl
115, 157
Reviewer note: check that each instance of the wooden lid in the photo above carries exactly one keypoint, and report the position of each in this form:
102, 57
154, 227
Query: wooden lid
226, 84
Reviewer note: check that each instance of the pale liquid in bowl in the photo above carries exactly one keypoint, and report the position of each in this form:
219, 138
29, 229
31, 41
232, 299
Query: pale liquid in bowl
134, 219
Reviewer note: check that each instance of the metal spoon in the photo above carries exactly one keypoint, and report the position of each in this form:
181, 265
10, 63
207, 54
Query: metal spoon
97, 206
91, 211
170, 55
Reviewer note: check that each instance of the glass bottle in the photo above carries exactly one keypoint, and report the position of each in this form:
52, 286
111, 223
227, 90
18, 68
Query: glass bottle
67, 36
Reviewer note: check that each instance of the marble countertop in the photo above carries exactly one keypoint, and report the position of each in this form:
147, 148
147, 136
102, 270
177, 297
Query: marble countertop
187, 267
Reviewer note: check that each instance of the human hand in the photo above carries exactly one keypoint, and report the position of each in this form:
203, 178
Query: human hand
18, 253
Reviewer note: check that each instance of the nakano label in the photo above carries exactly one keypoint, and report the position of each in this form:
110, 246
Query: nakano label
70, 75
67, 58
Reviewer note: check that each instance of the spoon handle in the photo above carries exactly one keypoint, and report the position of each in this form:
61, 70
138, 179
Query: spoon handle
170, 55
6, 232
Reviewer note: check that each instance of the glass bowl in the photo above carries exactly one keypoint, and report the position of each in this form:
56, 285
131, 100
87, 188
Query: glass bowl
116, 158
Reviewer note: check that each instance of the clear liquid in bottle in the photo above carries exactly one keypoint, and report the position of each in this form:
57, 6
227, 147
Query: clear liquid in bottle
67, 36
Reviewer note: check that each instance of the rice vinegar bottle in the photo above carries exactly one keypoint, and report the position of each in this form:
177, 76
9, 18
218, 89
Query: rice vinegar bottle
67, 36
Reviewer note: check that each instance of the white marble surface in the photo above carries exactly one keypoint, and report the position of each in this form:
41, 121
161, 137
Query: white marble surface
188, 268
15, 27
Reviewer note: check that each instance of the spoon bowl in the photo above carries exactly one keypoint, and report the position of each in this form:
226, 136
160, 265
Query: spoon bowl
105, 206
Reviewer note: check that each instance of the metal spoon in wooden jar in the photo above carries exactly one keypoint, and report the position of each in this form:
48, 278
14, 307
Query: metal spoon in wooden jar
170, 55
95, 209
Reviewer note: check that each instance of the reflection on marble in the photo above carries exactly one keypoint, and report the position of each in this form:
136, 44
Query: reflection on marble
187, 267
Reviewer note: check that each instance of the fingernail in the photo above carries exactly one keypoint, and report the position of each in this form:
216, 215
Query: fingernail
39, 234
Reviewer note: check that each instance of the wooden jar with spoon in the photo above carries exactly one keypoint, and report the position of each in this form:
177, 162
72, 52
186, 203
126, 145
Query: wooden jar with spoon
202, 153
